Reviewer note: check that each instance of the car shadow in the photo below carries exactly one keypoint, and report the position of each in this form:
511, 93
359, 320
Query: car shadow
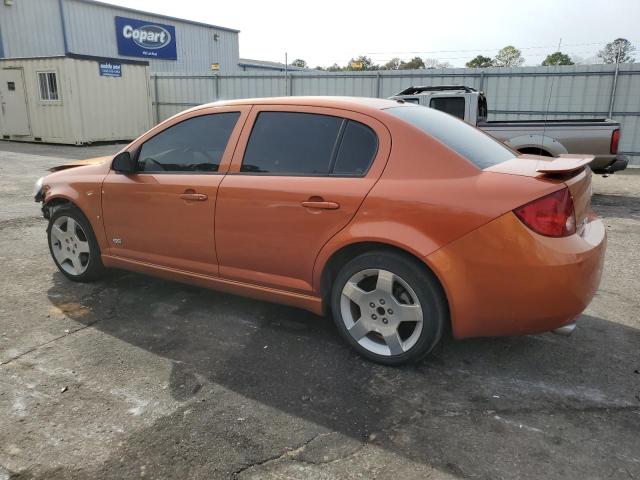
616, 206
461, 410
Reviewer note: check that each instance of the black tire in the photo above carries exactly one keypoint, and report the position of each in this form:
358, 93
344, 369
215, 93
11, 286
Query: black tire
427, 288
94, 268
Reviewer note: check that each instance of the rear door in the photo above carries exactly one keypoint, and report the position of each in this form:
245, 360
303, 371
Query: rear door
298, 176
163, 214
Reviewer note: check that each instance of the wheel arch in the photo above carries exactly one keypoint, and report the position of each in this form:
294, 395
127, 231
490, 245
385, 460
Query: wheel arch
347, 252
58, 199
534, 151
538, 142
55, 201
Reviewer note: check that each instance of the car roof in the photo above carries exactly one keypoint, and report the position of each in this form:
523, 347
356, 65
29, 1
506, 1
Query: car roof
361, 104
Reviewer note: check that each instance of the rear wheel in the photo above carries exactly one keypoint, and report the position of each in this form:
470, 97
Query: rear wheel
73, 245
388, 307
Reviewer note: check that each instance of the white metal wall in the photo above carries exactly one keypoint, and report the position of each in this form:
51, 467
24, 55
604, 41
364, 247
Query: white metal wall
578, 91
91, 31
33, 28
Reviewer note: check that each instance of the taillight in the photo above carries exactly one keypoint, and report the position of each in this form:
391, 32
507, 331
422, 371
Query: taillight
615, 138
551, 215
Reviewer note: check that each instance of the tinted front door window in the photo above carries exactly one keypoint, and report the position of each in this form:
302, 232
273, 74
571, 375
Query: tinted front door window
194, 145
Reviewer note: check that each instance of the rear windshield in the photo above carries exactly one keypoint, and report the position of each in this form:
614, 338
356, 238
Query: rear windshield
474, 145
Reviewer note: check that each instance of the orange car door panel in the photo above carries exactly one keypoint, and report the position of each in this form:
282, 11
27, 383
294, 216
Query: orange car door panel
164, 213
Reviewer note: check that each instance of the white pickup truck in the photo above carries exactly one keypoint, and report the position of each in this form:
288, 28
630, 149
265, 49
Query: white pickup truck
598, 137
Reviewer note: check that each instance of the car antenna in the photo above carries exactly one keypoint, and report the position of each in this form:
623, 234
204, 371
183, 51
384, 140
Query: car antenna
546, 113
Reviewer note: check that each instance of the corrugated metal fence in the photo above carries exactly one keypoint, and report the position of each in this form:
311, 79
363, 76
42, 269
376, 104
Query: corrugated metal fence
578, 91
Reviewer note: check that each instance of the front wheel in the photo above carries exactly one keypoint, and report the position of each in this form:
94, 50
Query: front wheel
388, 307
73, 245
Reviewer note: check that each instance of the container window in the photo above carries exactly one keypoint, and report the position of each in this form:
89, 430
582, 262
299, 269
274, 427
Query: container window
48, 83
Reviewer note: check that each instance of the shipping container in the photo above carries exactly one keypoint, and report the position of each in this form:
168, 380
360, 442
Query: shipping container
74, 99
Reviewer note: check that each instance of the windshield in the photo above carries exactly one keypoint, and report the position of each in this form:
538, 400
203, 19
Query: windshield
476, 146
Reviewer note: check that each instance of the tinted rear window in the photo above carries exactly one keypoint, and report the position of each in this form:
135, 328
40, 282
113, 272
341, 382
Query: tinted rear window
474, 145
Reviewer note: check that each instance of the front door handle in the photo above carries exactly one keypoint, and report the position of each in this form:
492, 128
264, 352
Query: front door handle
321, 205
197, 197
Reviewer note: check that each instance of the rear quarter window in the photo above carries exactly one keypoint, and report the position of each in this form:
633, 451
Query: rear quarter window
476, 146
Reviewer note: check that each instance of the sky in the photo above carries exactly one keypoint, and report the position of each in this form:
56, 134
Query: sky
329, 31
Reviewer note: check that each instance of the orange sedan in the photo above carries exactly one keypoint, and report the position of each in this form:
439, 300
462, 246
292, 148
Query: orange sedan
402, 221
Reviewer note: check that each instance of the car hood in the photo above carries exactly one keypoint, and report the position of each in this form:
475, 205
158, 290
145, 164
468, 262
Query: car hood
81, 163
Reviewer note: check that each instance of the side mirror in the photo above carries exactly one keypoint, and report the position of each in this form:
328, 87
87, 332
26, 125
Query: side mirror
123, 163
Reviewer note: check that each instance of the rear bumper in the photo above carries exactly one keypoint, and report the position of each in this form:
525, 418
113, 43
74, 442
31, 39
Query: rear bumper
609, 163
503, 279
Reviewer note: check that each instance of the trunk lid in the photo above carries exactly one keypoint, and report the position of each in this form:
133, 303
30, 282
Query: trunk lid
572, 170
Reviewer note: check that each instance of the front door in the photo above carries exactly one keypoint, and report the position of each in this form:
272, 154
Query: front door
298, 177
163, 214
13, 103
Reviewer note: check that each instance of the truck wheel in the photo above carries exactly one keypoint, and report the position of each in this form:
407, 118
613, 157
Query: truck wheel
388, 307
73, 245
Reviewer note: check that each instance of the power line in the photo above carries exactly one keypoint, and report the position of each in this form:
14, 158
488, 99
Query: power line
409, 52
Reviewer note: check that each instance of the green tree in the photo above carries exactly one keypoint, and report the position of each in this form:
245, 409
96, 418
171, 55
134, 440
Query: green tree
393, 64
618, 51
362, 63
334, 68
557, 58
415, 63
298, 62
480, 62
509, 56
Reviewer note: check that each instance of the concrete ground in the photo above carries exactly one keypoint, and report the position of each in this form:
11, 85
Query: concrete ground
137, 377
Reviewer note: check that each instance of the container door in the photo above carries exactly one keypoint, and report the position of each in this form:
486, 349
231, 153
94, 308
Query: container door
13, 103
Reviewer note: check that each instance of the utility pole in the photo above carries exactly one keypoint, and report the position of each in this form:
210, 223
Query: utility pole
286, 75
615, 79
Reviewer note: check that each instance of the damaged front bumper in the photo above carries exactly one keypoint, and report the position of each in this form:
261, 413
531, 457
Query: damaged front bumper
38, 191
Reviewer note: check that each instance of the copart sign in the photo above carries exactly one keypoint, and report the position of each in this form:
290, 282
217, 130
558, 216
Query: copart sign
139, 38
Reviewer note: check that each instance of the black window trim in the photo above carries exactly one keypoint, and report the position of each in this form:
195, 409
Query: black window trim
334, 152
138, 149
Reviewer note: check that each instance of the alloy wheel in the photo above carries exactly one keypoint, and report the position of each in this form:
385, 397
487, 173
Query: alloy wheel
381, 312
70, 245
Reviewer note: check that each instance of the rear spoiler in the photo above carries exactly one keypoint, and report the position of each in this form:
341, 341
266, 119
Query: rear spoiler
564, 163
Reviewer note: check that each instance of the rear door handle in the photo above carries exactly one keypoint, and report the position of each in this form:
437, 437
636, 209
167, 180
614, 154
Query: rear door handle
321, 205
197, 197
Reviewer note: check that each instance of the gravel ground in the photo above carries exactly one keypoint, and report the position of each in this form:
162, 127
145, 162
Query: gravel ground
139, 377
